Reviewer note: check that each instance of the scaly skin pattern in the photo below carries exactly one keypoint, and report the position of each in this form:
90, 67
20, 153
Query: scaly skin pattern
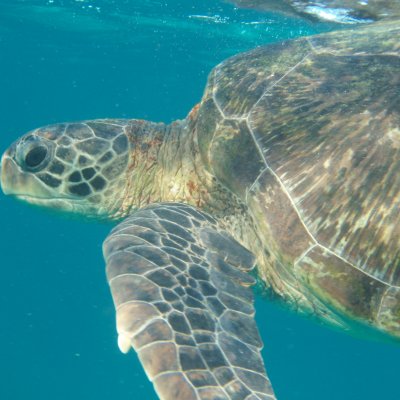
183, 301
180, 283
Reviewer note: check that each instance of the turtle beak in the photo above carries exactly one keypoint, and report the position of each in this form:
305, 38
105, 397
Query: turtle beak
5, 167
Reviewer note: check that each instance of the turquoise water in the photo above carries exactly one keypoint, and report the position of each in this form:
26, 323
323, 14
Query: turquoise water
72, 60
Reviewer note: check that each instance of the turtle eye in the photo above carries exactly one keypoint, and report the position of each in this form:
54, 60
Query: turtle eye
35, 156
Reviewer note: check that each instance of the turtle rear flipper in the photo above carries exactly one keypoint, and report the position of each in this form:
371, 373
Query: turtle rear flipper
183, 301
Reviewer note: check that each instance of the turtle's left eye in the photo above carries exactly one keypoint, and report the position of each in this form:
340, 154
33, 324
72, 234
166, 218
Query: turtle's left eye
35, 156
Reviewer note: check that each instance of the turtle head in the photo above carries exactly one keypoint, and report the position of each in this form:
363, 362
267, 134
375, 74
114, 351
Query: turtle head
75, 167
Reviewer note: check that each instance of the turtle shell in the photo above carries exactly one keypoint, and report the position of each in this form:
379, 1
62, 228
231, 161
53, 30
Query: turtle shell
307, 134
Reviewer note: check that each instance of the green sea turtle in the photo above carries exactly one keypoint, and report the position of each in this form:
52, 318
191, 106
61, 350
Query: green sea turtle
289, 167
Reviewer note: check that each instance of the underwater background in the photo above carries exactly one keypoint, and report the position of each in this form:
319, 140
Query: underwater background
76, 59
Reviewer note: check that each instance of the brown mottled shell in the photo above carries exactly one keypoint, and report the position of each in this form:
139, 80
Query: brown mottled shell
307, 133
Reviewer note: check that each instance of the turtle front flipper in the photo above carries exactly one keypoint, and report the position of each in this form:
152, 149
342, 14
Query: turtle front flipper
184, 303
